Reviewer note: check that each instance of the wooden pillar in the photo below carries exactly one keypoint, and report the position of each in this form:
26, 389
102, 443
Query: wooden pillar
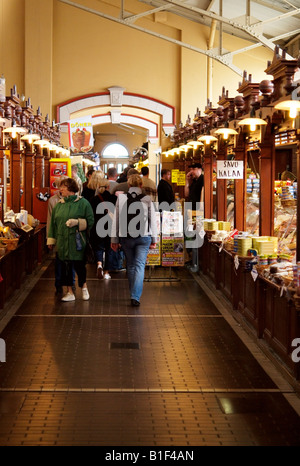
47, 156
267, 177
240, 191
222, 184
208, 182
39, 168
15, 174
28, 175
2, 147
298, 200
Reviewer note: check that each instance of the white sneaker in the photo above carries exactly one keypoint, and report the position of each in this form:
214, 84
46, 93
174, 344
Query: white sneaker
85, 294
68, 297
106, 276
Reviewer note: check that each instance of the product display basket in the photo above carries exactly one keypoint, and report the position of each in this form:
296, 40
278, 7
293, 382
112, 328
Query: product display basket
11, 243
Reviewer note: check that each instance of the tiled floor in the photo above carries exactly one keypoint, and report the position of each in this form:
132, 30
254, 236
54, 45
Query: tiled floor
173, 372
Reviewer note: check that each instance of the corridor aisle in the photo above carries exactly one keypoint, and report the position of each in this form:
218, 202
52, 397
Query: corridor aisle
173, 372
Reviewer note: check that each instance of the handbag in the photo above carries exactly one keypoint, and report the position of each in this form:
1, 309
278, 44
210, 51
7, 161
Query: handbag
88, 251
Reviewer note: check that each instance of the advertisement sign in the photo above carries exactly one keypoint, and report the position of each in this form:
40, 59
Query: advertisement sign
58, 167
172, 251
174, 175
154, 255
181, 178
81, 139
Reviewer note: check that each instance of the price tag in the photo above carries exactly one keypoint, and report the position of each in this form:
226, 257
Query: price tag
254, 274
283, 288
236, 262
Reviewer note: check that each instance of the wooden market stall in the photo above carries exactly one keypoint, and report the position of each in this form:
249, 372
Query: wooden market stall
24, 190
261, 206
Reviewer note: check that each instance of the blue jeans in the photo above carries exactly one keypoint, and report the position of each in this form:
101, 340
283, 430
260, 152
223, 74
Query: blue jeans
136, 250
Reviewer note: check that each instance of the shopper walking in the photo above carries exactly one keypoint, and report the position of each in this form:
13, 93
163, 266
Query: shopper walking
148, 185
53, 200
135, 241
90, 190
70, 219
101, 230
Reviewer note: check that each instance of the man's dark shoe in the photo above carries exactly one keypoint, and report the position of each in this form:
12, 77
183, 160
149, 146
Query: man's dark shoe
135, 303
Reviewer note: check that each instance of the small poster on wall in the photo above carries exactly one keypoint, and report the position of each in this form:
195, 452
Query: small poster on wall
81, 140
58, 167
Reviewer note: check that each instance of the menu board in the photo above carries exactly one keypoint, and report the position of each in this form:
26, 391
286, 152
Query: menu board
172, 223
172, 251
58, 167
154, 255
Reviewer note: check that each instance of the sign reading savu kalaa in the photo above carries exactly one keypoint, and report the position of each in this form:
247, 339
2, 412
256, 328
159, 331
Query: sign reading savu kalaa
230, 169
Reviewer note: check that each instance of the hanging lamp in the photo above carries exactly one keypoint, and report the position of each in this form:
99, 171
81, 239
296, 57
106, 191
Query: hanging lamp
225, 132
292, 106
14, 130
207, 138
30, 137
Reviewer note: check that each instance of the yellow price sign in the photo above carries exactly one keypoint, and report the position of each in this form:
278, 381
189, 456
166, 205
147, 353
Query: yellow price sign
181, 179
174, 175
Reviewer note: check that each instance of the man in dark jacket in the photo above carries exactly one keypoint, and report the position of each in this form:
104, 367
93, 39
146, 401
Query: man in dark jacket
164, 188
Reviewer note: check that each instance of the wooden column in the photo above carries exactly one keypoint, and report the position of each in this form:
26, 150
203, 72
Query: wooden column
240, 191
15, 174
28, 182
39, 168
2, 147
222, 184
298, 200
267, 177
47, 156
208, 182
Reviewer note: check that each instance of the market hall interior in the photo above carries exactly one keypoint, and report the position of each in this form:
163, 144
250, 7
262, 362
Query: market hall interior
208, 356
177, 371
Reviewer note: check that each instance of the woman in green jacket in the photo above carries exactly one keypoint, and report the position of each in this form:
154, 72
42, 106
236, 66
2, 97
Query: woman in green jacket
70, 215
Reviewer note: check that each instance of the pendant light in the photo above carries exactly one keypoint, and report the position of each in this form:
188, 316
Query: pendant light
292, 106
252, 122
30, 137
225, 132
14, 130
195, 144
207, 138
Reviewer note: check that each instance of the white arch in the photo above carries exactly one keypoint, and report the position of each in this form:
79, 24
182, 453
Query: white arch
150, 126
106, 99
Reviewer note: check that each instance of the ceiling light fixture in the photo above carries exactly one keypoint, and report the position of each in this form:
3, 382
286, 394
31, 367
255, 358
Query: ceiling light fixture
14, 130
226, 132
195, 144
30, 137
292, 106
207, 138
252, 122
